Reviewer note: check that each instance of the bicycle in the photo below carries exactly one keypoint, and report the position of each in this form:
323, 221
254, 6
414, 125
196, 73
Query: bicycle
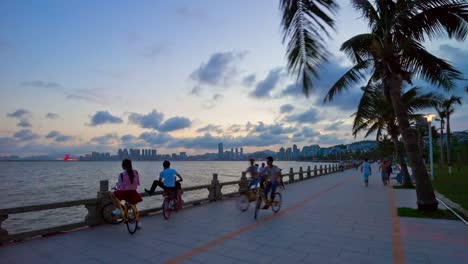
128, 214
275, 204
246, 197
171, 203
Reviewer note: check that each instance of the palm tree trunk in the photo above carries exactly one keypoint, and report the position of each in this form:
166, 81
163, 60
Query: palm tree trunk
449, 154
401, 160
442, 142
425, 194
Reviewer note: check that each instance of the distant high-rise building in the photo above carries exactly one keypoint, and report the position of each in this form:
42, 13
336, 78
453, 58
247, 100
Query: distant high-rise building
295, 152
242, 153
237, 154
220, 151
288, 154
231, 157
121, 154
281, 154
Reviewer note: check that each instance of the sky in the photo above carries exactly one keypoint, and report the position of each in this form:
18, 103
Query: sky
81, 75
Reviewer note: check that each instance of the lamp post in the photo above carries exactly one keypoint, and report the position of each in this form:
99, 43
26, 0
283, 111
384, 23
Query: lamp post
429, 120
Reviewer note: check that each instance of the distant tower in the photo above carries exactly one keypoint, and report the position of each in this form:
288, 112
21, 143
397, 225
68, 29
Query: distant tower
231, 157
241, 153
220, 151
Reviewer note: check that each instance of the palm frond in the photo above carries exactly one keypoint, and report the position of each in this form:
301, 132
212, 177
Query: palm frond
303, 24
367, 10
433, 19
353, 76
360, 47
416, 59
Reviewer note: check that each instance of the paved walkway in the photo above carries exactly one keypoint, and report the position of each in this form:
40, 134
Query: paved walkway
331, 219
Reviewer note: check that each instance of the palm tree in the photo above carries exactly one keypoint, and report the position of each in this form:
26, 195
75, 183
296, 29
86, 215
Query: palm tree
375, 114
440, 111
393, 54
448, 106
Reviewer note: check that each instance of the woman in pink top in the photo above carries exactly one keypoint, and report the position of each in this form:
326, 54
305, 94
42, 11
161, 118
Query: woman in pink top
127, 185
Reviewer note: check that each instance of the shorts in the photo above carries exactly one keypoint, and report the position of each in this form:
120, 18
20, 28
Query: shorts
365, 176
130, 196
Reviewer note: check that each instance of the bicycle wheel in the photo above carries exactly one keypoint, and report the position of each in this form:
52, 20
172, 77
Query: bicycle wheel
257, 206
108, 217
132, 222
276, 204
243, 202
166, 208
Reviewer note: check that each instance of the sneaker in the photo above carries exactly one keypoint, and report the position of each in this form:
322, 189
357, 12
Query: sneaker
116, 211
148, 192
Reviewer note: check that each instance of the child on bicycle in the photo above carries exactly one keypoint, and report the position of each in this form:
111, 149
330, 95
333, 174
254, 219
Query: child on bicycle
167, 179
254, 175
126, 186
270, 177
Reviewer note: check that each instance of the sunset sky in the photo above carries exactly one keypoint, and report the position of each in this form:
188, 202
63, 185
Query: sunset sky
81, 75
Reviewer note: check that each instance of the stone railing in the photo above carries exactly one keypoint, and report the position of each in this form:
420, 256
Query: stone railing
94, 205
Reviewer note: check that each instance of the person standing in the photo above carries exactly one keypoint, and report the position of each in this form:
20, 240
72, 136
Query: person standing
366, 171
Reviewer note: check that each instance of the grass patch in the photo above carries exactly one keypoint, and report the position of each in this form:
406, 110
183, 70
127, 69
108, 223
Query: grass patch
453, 186
438, 214
404, 187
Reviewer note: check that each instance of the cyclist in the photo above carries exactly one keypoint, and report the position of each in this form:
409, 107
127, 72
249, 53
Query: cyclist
126, 186
270, 176
167, 179
254, 175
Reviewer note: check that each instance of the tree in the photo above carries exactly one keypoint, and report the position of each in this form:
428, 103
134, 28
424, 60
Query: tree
441, 112
375, 114
393, 54
448, 106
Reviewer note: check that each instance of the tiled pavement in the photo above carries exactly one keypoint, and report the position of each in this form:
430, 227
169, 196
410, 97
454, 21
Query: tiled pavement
331, 219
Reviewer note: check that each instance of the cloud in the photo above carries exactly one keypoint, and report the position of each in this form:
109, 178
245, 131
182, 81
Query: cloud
264, 87
217, 97
52, 116
329, 139
249, 80
20, 113
108, 139
41, 84
152, 120
334, 126
329, 73
195, 90
24, 123
131, 141
287, 108
25, 135
85, 98
309, 132
58, 137
156, 139
175, 123
104, 117
53, 134
210, 128
309, 116
219, 70
64, 138
234, 129
274, 129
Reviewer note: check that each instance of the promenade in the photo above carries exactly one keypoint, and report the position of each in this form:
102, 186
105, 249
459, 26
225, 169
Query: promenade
329, 219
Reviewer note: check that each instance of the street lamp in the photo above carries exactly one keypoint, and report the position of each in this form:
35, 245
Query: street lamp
429, 120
